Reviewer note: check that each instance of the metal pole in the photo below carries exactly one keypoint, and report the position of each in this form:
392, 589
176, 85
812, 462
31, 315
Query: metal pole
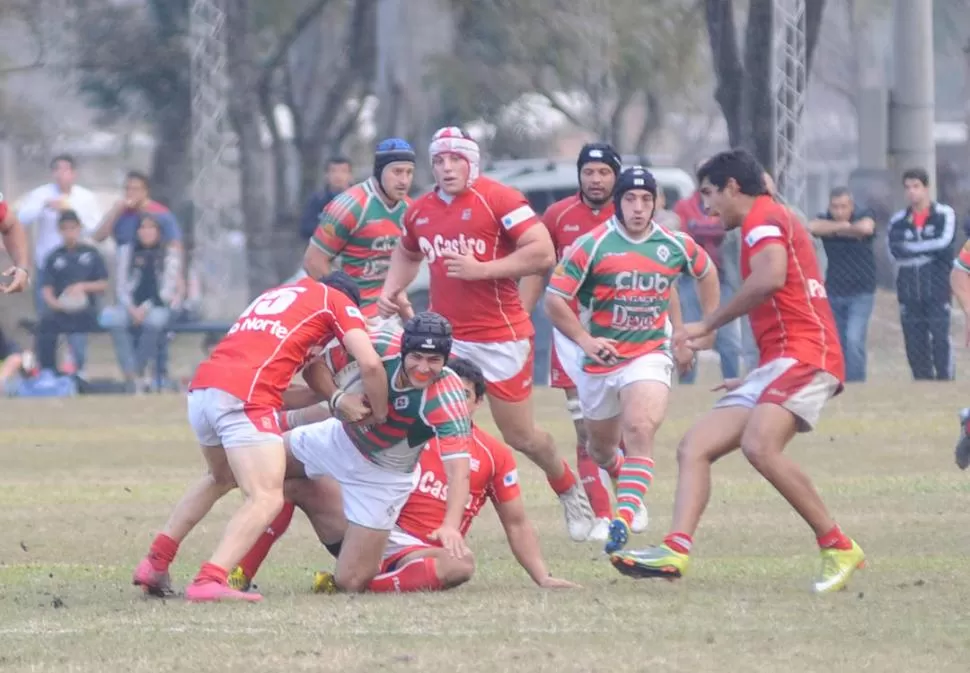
912, 109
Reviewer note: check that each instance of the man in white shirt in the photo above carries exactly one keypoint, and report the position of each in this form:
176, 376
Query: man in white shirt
41, 209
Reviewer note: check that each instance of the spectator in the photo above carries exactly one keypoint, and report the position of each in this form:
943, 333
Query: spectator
74, 276
921, 239
850, 279
11, 361
125, 217
148, 290
709, 233
339, 175
41, 211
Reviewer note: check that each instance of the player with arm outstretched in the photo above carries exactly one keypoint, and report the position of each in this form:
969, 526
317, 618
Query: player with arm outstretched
479, 238
362, 225
801, 367
960, 284
622, 275
233, 402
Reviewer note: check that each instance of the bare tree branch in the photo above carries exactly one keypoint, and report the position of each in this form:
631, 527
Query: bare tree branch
286, 41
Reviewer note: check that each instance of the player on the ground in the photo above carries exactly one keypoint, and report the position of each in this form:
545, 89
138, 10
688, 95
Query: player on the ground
598, 167
479, 238
960, 284
362, 225
15, 242
412, 560
801, 366
376, 463
621, 274
233, 402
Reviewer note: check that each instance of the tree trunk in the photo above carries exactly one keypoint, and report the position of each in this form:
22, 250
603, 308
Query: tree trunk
172, 167
244, 112
757, 98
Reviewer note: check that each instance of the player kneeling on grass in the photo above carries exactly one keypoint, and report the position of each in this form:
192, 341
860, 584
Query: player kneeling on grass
413, 561
801, 367
376, 466
622, 274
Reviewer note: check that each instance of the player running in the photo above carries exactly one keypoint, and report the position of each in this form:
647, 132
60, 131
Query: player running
801, 366
479, 237
363, 224
15, 242
598, 167
960, 284
621, 275
233, 402
413, 561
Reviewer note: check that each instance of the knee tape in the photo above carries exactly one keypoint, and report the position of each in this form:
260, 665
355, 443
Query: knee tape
574, 409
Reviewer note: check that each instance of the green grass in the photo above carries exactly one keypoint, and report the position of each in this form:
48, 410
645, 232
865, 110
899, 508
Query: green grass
81, 495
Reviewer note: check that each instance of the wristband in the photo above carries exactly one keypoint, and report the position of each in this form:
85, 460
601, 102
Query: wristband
335, 399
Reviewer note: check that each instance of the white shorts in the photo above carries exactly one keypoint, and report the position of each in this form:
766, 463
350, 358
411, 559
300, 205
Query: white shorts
800, 388
507, 366
599, 394
220, 419
400, 543
372, 495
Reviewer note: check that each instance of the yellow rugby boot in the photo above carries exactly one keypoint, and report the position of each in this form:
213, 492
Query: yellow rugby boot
837, 567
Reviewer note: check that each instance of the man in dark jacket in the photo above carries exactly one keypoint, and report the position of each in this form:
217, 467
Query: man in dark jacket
339, 176
920, 239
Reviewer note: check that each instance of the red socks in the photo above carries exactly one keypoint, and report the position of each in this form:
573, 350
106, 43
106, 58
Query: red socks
418, 575
834, 539
596, 493
162, 552
679, 542
562, 484
255, 556
211, 573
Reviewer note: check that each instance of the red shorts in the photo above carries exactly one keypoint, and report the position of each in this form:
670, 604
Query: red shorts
400, 543
507, 366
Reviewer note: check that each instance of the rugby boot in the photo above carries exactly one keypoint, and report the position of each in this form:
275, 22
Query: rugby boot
837, 567
210, 591
659, 561
600, 531
579, 514
619, 534
324, 582
237, 580
153, 582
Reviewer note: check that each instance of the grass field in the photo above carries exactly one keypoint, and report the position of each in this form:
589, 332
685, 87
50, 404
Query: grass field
85, 483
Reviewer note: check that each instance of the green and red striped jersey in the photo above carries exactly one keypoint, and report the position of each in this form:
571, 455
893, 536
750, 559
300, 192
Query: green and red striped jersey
623, 286
962, 261
414, 416
359, 228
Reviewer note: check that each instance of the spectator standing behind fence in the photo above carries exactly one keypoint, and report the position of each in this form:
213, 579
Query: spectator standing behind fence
339, 176
709, 233
74, 277
149, 289
124, 218
920, 239
41, 210
850, 279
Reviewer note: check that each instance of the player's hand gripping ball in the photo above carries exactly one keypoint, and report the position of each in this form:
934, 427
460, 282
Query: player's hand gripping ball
352, 407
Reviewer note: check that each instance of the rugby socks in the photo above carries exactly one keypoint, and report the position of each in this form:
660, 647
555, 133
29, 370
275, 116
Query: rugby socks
596, 493
634, 481
835, 539
679, 542
209, 572
162, 552
565, 482
614, 466
418, 575
254, 557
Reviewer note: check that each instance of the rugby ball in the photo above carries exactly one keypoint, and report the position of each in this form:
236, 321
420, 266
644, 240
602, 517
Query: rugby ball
346, 372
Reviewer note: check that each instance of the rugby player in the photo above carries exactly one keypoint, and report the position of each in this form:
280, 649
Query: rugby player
801, 367
479, 238
621, 276
15, 243
960, 284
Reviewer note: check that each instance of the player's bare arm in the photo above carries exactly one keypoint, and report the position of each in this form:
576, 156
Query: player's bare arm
359, 346
316, 261
15, 242
458, 471
683, 356
531, 288
563, 319
524, 544
769, 268
709, 293
534, 254
404, 268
